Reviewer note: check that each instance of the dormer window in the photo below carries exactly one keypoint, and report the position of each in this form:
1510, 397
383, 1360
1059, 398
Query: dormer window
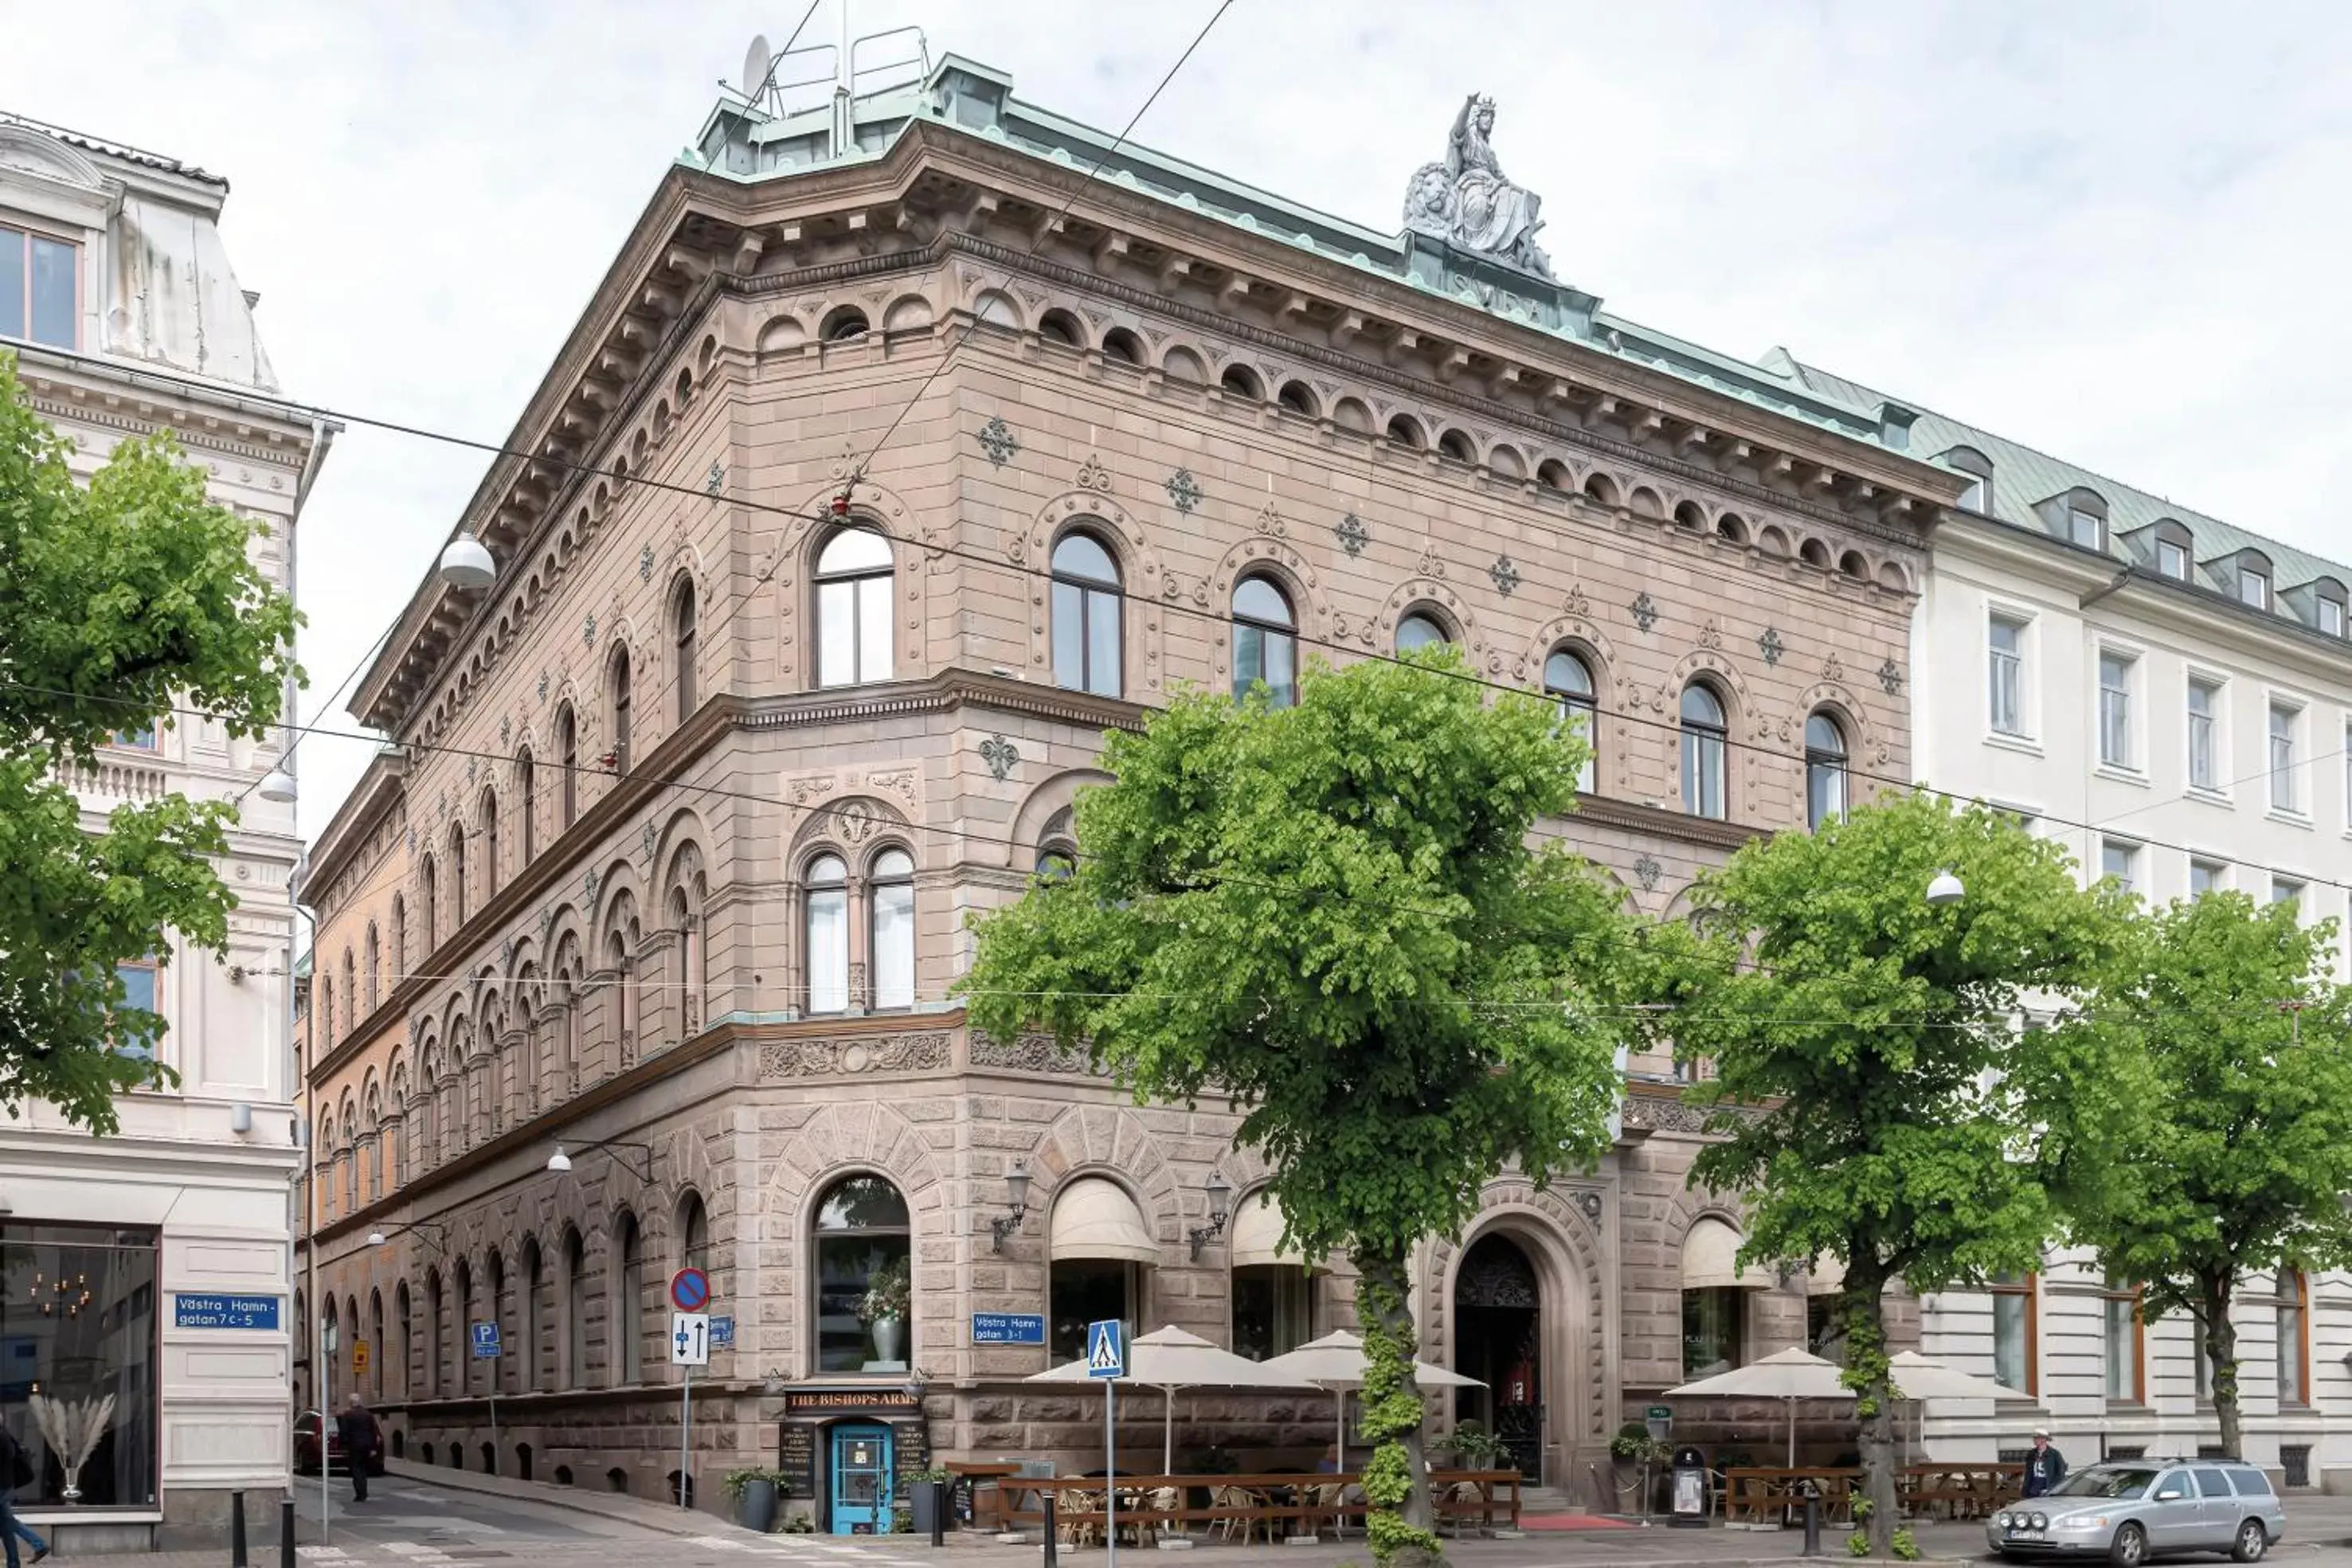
2253, 586
40, 288
2078, 516
2084, 527
1968, 462
2172, 561
2331, 617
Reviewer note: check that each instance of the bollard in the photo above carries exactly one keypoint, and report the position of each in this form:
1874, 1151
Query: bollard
1813, 1525
286, 1532
237, 1530
1050, 1560
940, 1499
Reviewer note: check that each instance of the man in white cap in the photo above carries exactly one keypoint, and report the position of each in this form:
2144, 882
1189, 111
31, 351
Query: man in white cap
2046, 1466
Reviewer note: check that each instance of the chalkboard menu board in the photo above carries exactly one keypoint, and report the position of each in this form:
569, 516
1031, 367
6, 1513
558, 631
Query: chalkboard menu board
909, 1455
796, 1459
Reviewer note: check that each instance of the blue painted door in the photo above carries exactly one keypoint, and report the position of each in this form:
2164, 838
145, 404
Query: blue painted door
861, 1480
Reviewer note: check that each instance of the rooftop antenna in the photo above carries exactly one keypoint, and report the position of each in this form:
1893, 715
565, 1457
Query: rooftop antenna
759, 67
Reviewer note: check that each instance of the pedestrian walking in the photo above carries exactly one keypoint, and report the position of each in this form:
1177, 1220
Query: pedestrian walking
362, 1440
2046, 1466
16, 1470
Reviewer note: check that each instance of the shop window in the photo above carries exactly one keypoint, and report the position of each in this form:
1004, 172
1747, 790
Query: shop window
78, 1327
1712, 1322
1088, 1290
1273, 1309
864, 1277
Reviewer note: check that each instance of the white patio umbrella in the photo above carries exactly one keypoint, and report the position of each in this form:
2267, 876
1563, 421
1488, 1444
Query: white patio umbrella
1168, 1359
1920, 1378
1791, 1375
1336, 1362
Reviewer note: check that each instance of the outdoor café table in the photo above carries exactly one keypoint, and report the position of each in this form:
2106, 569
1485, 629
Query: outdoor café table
1756, 1494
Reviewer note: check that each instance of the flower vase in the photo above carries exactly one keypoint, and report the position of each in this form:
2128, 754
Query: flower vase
887, 1331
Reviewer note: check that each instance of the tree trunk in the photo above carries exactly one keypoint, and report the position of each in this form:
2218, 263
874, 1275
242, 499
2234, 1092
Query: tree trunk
1871, 1377
1396, 1481
2220, 1353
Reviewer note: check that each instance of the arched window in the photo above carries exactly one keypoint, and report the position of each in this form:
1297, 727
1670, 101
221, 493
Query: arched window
350, 992
459, 906
853, 609
404, 1346
464, 1317
628, 1300
399, 939
575, 1311
567, 761
489, 843
1056, 862
432, 901
618, 683
1086, 616
685, 629
1568, 681
1825, 756
436, 1335
864, 1273
693, 1233
890, 895
828, 934
1419, 631
374, 972
327, 1005
534, 1306
2293, 1338
1703, 734
527, 789
495, 1374
1273, 1291
1266, 641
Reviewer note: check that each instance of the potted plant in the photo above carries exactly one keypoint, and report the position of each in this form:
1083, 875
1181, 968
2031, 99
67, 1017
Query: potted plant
1634, 1447
753, 1493
930, 1501
883, 1309
1475, 1448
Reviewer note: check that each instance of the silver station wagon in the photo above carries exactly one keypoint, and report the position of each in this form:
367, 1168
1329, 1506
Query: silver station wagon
2131, 1511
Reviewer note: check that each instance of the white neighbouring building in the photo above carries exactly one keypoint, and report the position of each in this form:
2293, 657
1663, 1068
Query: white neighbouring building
153, 1266
2170, 698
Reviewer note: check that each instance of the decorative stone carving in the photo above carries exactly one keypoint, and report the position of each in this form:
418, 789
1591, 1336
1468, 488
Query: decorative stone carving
1352, 534
800, 791
1647, 870
853, 822
588, 631
646, 564
1769, 644
715, 480
1505, 574
651, 839
1029, 1053
859, 1054
1093, 475
506, 732
1646, 609
592, 890
1465, 201
1270, 522
898, 781
1000, 756
1890, 675
542, 685
1431, 564
1184, 490
997, 440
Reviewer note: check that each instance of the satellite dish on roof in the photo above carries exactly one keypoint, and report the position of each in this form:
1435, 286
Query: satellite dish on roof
757, 60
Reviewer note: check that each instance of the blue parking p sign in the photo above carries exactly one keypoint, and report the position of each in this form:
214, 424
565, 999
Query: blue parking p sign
485, 1341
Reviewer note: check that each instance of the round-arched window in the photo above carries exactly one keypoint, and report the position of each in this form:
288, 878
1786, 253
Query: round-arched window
1086, 616
1704, 735
891, 895
1419, 632
1568, 681
828, 934
864, 1272
853, 609
1825, 758
1265, 640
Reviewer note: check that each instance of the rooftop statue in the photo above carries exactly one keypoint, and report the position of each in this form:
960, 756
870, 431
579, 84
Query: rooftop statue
1465, 201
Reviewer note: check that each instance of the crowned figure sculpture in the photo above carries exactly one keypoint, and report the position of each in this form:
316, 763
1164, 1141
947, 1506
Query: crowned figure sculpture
1465, 200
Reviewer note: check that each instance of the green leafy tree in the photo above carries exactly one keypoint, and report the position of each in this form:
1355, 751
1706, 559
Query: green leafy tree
1331, 915
2223, 1018
119, 600
1877, 1099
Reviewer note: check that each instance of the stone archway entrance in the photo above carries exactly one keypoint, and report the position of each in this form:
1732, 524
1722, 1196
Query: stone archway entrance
1498, 1339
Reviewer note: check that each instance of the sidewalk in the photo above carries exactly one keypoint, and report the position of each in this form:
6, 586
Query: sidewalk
662, 1518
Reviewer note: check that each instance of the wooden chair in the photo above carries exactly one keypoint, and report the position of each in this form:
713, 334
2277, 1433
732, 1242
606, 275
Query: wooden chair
1168, 1500
1241, 1524
1076, 1531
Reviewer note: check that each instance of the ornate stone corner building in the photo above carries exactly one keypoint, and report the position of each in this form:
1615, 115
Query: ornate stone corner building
149, 1268
895, 461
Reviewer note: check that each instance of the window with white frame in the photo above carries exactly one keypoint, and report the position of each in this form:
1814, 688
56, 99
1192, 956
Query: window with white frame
2206, 876
2253, 587
2331, 616
2114, 709
2172, 559
2204, 734
2284, 719
2005, 636
2084, 527
2119, 859
2286, 890
40, 288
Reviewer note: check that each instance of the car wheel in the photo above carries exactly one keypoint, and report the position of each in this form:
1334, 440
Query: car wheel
2253, 1540
2130, 1548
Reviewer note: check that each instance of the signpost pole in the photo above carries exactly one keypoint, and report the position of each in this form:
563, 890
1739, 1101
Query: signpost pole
684, 1432
1110, 1474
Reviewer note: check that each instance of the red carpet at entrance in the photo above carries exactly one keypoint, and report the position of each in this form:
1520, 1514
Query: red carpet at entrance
1572, 1522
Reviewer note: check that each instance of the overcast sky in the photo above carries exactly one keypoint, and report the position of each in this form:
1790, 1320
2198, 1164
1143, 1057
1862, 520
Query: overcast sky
2112, 229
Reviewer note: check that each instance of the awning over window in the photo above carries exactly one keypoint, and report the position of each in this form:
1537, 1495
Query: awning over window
1710, 1260
1257, 1234
1094, 1217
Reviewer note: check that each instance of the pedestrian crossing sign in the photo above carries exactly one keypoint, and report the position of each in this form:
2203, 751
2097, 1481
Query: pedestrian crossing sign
1106, 1349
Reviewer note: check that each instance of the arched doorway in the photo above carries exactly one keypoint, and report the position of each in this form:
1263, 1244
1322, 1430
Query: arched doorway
1498, 1339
